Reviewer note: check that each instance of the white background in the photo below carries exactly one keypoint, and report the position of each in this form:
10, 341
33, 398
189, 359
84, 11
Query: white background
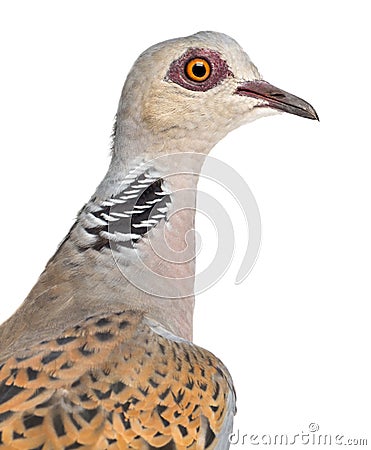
296, 334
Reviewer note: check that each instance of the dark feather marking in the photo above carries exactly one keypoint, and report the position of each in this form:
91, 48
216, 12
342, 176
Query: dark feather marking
179, 397
75, 423
118, 387
66, 365
4, 416
93, 378
73, 446
65, 340
102, 322
76, 383
32, 374
162, 348
153, 383
17, 435
88, 414
183, 430
164, 394
104, 336
210, 436
165, 422
58, 426
190, 383
143, 391
52, 356
23, 358
8, 392
160, 409
45, 404
84, 397
83, 350
125, 422
124, 324
102, 395
217, 390
37, 392
133, 223
125, 406
32, 421
203, 386
187, 357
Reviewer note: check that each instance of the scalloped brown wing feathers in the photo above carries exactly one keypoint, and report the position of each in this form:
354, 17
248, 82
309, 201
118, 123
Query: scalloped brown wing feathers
111, 382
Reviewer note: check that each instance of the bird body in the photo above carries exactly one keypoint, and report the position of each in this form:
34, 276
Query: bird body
100, 354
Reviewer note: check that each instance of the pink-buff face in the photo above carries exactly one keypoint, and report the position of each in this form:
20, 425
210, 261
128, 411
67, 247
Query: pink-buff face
202, 69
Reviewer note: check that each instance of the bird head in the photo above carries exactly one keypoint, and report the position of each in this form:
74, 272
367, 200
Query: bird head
198, 88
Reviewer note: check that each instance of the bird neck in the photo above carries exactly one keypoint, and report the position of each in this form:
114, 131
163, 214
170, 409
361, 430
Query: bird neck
133, 244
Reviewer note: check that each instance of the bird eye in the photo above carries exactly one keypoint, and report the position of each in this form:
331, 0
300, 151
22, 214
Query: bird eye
198, 69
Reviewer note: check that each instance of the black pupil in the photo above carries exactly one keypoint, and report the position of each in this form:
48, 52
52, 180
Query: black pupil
199, 70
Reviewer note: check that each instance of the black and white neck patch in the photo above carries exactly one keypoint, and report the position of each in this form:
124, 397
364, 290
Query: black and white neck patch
126, 217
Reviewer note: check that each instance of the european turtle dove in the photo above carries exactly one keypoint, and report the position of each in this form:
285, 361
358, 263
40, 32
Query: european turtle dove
91, 360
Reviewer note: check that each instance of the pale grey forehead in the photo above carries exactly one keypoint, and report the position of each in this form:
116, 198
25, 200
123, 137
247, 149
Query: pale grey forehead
163, 54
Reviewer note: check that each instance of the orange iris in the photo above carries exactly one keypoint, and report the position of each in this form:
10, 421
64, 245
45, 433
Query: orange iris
198, 69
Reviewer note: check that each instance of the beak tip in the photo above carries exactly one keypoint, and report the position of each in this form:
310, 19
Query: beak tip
313, 114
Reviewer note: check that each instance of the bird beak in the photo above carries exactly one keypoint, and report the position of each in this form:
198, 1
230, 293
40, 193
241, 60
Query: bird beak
276, 98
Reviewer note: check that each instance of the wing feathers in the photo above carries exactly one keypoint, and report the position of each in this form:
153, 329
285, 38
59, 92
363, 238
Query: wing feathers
112, 382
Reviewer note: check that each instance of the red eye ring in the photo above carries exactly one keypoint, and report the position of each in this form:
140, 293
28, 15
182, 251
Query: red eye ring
198, 78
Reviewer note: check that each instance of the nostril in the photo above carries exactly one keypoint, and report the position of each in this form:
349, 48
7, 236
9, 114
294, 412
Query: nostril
277, 95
